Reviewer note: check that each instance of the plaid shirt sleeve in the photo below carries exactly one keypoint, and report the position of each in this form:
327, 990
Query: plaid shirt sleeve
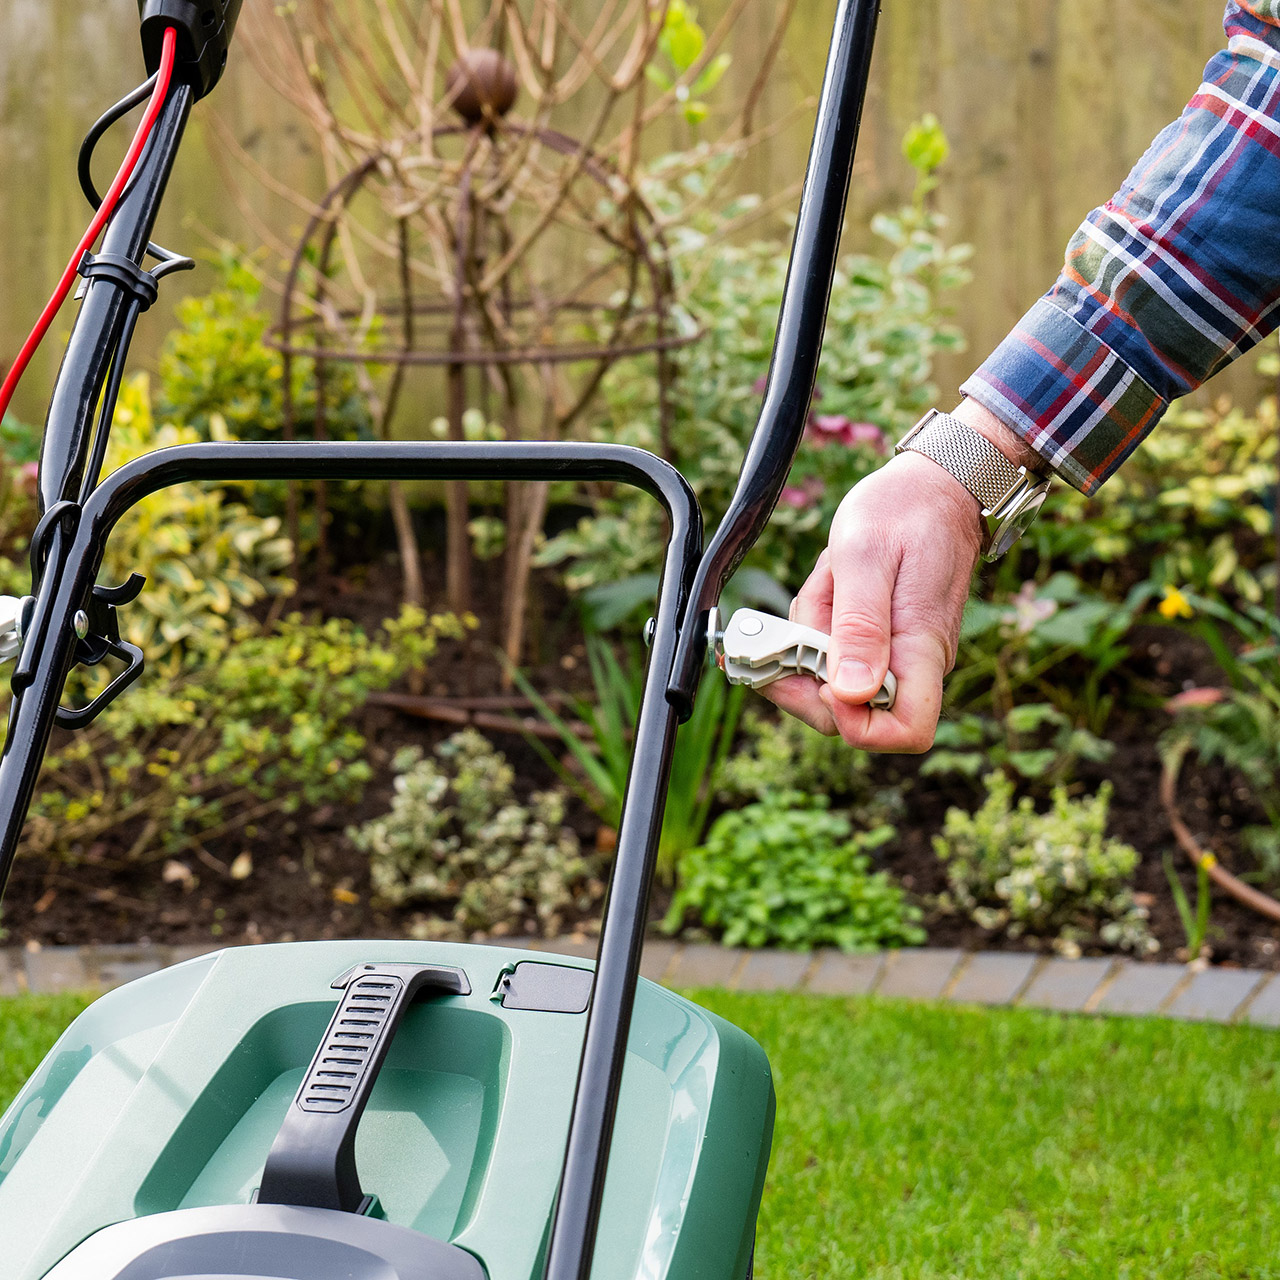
1172, 279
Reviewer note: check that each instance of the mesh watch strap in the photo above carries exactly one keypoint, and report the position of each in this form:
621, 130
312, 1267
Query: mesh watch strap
970, 457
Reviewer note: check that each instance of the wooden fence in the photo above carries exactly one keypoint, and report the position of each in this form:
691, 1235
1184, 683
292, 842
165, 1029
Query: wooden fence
1046, 102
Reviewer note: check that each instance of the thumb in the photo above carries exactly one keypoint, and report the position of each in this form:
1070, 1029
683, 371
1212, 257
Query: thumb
864, 574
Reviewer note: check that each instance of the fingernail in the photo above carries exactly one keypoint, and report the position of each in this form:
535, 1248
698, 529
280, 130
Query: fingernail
854, 677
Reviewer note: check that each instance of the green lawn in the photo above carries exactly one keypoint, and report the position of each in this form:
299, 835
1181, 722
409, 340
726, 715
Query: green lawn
916, 1141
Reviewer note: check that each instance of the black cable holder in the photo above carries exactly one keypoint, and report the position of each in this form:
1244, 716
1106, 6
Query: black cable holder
124, 272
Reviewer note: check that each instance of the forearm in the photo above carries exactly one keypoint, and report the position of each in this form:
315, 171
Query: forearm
1172, 279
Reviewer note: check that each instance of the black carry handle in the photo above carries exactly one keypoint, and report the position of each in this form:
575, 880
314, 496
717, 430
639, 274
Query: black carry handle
313, 1159
798, 341
204, 28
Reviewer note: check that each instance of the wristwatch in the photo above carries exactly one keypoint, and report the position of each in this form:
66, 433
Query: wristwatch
1010, 496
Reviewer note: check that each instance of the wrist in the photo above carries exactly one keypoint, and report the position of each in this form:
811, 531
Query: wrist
942, 493
1012, 445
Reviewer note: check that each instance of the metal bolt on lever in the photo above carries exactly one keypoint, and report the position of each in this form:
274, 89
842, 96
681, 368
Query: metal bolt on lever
759, 648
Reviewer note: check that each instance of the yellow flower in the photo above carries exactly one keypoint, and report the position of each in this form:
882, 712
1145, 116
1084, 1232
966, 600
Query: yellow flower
1208, 861
1175, 605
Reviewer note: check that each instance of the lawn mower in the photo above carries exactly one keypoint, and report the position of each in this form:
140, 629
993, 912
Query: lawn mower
390, 1110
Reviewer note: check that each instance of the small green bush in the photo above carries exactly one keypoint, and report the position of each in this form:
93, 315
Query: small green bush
457, 843
780, 753
1054, 875
207, 559
217, 365
265, 730
786, 870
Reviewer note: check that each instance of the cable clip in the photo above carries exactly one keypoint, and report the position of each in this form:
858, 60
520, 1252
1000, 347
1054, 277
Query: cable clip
759, 648
122, 271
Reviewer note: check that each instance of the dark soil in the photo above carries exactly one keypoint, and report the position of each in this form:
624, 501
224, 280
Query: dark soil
308, 881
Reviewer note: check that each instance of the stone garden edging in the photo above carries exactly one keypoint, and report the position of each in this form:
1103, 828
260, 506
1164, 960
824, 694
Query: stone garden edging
1109, 986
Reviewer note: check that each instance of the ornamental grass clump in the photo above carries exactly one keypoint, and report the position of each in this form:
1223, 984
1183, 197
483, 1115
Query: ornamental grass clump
458, 845
1055, 876
788, 871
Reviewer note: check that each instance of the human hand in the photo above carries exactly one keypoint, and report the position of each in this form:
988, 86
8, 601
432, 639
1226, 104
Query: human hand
890, 590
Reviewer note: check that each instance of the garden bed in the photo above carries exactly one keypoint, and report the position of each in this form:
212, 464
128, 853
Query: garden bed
307, 880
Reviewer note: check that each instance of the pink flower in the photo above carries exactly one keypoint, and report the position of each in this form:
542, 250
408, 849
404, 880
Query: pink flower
835, 427
1198, 697
802, 495
867, 433
759, 385
1029, 610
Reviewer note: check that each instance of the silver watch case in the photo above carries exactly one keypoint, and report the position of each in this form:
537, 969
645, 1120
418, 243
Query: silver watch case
1010, 497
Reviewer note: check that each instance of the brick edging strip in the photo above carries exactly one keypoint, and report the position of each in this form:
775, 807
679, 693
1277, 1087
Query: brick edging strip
986, 977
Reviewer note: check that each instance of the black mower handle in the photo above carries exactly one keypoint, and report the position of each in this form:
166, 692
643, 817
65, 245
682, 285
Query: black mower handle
797, 342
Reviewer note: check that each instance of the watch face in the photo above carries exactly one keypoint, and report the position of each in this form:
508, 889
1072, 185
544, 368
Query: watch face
1017, 523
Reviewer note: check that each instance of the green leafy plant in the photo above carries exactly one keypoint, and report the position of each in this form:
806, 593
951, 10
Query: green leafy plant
1192, 505
1057, 638
216, 365
602, 755
1195, 924
780, 753
1238, 726
458, 844
786, 870
1055, 876
208, 559
1034, 741
683, 43
208, 754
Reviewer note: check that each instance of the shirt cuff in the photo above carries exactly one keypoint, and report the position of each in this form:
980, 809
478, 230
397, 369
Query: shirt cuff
1068, 395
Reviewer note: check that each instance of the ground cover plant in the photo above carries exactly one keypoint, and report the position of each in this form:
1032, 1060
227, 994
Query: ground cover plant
916, 1142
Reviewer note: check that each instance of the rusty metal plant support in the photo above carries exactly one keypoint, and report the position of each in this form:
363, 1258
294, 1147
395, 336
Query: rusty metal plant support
622, 307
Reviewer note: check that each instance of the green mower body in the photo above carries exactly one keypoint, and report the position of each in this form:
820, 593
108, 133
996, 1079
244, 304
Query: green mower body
165, 1097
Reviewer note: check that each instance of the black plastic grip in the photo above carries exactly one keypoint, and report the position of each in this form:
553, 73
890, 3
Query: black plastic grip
312, 1163
204, 28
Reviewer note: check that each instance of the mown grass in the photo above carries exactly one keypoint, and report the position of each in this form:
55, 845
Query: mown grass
918, 1141
922, 1142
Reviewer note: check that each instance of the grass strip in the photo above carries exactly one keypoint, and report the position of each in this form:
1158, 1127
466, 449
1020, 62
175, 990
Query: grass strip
925, 1142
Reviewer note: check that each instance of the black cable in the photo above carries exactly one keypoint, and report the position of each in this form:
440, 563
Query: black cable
169, 261
98, 455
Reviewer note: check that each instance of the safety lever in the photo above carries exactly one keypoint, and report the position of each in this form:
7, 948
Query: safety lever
758, 648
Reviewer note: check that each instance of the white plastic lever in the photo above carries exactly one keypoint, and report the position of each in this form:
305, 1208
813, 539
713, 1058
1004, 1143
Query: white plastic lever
10, 626
759, 648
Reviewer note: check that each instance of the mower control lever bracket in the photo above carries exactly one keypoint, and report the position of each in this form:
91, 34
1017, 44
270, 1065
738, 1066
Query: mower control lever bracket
759, 648
97, 639
312, 1163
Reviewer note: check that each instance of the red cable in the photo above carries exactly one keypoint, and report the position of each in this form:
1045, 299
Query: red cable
109, 202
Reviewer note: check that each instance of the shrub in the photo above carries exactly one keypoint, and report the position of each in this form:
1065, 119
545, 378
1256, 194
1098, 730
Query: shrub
787, 870
1052, 875
457, 843
216, 365
208, 559
265, 730
780, 753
